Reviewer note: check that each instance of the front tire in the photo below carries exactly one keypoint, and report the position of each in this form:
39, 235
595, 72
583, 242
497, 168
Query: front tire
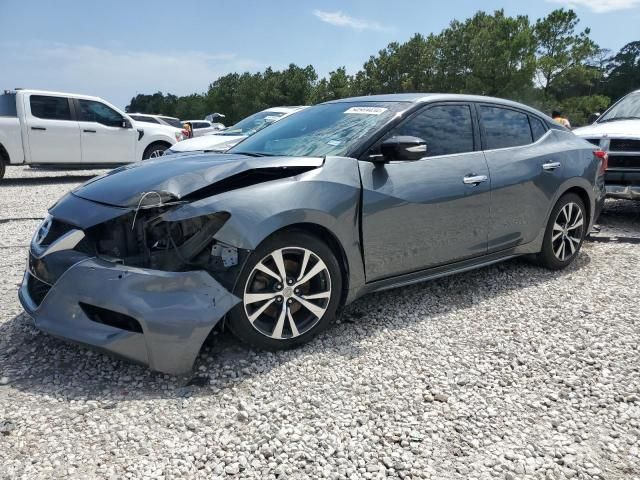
154, 150
290, 289
565, 233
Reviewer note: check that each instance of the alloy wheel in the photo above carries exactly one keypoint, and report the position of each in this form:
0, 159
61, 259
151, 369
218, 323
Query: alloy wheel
287, 293
156, 153
567, 231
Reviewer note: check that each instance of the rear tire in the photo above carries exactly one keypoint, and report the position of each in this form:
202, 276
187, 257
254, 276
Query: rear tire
276, 313
154, 150
566, 229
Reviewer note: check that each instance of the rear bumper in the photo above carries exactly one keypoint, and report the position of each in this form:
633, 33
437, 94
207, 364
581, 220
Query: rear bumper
167, 315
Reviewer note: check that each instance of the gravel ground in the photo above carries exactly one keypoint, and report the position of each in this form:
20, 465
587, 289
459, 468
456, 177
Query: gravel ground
507, 372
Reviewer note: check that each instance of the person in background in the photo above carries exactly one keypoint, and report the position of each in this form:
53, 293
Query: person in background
557, 116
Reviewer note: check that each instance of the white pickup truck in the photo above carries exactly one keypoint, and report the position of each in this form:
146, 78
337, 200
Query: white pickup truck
617, 132
68, 130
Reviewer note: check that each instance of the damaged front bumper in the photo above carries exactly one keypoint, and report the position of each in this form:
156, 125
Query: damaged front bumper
153, 317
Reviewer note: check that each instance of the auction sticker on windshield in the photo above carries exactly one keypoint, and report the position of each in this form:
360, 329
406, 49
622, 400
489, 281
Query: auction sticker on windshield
366, 110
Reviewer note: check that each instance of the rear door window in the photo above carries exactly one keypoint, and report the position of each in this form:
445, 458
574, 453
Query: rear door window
447, 129
50, 108
504, 127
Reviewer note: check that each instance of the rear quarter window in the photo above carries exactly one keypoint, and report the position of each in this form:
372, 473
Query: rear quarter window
537, 128
8, 105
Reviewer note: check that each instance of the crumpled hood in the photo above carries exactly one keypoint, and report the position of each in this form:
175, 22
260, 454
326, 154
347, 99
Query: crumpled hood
623, 128
205, 142
173, 178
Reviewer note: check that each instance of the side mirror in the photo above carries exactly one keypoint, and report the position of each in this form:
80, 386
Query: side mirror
403, 148
593, 117
125, 123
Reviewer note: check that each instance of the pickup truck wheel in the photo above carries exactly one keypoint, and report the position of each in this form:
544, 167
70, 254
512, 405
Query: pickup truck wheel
155, 150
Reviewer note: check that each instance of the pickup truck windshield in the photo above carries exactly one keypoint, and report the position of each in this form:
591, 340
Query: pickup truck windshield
8, 105
626, 109
327, 129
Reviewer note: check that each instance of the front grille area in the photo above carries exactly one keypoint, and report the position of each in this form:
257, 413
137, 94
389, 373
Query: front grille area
37, 289
624, 161
624, 145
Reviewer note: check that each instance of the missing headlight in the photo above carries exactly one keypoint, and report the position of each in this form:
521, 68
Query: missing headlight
156, 243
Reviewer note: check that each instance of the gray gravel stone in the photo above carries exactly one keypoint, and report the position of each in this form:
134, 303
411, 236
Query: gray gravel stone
507, 372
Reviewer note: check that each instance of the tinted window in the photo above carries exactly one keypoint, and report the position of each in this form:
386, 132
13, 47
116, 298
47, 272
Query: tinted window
174, 122
537, 128
200, 125
504, 128
447, 129
52, 108
91, 111
140, 118
8, 105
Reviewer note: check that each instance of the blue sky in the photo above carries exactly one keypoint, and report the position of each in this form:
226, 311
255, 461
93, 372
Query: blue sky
116, 49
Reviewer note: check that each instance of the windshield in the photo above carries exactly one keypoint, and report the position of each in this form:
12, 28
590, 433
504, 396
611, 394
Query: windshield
627, 108
253, 123
174, 122
328, 129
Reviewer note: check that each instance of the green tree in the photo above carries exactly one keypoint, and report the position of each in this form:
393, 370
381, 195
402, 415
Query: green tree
624, 71
563, 54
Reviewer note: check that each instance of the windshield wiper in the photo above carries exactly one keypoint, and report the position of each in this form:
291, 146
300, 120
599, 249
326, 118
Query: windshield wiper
615, 119
255, 154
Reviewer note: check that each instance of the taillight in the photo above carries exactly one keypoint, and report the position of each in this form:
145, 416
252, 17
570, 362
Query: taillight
604, 160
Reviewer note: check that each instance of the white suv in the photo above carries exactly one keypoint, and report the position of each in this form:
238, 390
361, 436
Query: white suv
65, 129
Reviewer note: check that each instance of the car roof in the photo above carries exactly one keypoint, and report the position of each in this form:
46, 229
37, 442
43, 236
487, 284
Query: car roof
437, 97
50, 92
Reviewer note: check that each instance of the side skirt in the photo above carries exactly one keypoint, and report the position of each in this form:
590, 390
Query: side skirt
441, 271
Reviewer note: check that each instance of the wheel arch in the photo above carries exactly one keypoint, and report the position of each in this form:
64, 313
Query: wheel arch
584, 196
4, 155
332, 241
155, 142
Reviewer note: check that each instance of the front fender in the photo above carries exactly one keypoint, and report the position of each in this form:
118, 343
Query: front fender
327, 197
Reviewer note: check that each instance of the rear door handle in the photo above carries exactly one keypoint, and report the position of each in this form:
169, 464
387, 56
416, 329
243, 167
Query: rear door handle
475, 179
89, 131
551, 166
38, 128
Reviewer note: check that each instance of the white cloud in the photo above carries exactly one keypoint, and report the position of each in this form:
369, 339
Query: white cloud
340, 19
114, 74
600, 6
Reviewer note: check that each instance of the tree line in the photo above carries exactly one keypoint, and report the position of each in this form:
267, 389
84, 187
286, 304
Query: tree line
548, 64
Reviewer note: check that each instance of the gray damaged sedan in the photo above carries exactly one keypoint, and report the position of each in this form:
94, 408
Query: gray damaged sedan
336, 201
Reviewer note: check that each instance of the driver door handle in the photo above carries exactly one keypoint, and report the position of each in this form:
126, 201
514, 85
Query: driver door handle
474, 179
551, 165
